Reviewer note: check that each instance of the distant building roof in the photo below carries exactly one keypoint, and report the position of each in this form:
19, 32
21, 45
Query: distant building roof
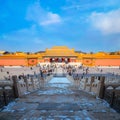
1, 52
60, 51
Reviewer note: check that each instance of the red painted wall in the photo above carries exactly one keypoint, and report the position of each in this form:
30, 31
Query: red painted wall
40, 60
22, 61
14, 62
107, 62
72, 60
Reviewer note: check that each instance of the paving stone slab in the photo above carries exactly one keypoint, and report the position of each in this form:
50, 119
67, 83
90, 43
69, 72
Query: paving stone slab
58, 106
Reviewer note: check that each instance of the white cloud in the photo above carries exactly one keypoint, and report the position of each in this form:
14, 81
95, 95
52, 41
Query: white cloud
27, 39
21, 35
88, 5
38, 41
42, 17
51, 18
107, 23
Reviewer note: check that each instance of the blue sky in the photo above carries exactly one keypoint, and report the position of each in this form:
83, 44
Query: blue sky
34, 25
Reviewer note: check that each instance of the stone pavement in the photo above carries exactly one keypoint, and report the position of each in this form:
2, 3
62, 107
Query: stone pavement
59, 100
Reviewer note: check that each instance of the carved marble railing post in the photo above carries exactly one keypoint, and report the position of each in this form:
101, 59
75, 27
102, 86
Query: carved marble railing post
39, 82
4, 95
101, 87
113, 97
86, 80
15, 86
91, 81
33, 85
26, 82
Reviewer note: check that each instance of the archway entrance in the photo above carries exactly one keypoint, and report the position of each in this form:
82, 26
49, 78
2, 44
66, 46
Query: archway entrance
60, 59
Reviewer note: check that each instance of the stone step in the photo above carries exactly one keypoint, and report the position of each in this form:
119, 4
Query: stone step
59, 106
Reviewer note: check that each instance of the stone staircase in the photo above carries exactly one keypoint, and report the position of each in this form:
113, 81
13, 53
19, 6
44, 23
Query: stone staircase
59, 103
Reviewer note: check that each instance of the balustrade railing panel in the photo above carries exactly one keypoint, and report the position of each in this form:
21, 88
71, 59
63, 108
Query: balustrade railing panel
108, 96
1, 98
6, 95
116, 103
112, 96
9, 95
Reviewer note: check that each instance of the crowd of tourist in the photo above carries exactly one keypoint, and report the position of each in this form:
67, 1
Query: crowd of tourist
47, 69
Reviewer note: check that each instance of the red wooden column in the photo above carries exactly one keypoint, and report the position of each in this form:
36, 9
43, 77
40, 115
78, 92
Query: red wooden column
72, 59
